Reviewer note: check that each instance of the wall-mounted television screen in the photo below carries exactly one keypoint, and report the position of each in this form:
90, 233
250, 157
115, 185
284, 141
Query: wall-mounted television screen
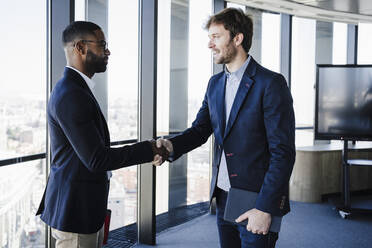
343, 102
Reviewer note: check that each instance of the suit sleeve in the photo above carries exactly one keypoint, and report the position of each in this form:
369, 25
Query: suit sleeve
76, 114
196, 135
280, 131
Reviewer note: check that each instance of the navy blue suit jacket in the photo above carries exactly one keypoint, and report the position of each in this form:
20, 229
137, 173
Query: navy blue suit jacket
75, 199
258, 139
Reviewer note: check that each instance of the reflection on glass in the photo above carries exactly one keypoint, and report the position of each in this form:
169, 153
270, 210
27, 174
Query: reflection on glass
21, 188
23, 74
303, 70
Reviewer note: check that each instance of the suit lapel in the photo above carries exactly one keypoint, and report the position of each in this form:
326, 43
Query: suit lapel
220, 103
244, 87
76, 77
104, 122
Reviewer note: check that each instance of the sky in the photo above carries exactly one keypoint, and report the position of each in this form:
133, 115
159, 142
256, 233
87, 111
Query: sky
23, 71
23, 44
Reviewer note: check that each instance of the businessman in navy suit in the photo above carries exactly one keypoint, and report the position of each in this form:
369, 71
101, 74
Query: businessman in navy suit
249, 110
75, 200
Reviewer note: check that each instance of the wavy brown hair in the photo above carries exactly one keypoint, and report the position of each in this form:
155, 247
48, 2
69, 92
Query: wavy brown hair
235, 21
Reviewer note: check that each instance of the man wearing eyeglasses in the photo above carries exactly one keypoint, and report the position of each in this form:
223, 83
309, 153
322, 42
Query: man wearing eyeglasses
75, 200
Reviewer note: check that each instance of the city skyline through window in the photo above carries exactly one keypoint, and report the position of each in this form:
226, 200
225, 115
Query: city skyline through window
22, 121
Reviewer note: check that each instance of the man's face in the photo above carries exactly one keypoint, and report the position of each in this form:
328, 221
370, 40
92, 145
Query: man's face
97, 53
221, 44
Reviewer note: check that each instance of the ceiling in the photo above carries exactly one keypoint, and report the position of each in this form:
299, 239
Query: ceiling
349, 11
363, 7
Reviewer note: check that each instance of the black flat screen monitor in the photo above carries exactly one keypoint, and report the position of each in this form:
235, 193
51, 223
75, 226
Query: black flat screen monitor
343, 108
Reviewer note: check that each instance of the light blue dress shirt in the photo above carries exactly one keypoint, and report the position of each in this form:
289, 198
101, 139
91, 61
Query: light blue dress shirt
232, 84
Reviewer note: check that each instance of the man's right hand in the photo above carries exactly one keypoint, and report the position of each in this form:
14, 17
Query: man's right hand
167, 148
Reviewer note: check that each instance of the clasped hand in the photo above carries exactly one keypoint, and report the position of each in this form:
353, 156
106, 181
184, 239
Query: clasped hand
161, 149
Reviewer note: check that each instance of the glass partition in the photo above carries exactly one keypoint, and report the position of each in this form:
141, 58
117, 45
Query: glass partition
183, 70
339, 45
199, 64
271, 41
303, 75
364, 43
122, 85
122, 69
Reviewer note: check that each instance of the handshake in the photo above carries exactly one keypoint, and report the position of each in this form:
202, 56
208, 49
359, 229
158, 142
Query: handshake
161, 149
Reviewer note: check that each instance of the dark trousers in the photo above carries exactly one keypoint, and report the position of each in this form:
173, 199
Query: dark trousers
235, 236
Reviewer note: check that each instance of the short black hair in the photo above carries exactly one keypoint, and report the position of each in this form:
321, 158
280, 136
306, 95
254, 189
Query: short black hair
235, 21
78, 30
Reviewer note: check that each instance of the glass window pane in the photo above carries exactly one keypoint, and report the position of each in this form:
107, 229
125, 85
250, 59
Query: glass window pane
123, 69
235, 5
303, 70
324, 40
122, 105
200, 64
364, 43
122, 199
80, 10
21, 189
162, 111
176, 103
271, 41
256, 48
23, 78
184, 68
339, 46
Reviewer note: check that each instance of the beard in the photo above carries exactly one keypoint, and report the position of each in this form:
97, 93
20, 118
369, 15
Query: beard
95, 63
229, 53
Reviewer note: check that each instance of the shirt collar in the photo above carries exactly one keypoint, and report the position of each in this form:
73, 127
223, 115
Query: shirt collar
88, 81
239, 73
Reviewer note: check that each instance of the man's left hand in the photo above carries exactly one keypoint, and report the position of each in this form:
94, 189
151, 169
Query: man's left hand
258, 221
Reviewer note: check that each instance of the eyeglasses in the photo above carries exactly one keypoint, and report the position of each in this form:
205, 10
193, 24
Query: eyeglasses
101, 43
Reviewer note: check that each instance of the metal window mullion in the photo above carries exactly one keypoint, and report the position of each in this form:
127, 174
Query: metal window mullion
59, 15
146, 183
218, 5
352, 44
285, 47
48, 240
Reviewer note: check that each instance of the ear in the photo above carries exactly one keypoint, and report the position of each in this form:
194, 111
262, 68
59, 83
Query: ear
80, 47
238, 39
